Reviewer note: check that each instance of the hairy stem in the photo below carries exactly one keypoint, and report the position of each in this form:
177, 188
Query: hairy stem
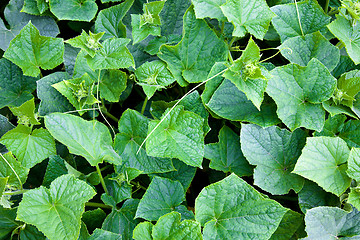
97, 205
101, 179
19, 192
326, 7
144, 105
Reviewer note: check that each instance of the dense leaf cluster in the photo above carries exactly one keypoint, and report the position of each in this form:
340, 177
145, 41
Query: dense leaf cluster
179, 119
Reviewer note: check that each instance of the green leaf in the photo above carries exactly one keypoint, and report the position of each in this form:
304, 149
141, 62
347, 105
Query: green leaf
56, 167
121, 221
51, 99
5, 126
298, 92
183, 173
62, 205
15, 88
247, 75
209, 8
26, 113
180, 135
75, 10
133, 127
7, 222
93, 218
153, 76
29, 146
87, 42
354, 197
100, 234
345, 64
31, 233
190, 61
252, 16
323, 160
348, 86
288, 18
70, 54
30, 6
3, 182
30, 51
232, 209
170, 227
332, 223
112, 84
140, 32
335, 109
109, 20
311, 195
301, 50
112, 55
274, 151
11, 168
143, 231
289, 224
226, 155
228, 102
354, 164
348, 35
89, 139
161, 197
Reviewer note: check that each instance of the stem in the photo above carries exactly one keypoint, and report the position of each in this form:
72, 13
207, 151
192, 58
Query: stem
144, 106
16, 192
97, 205
17, 176
222, 27
298, 15
106, 113
137, 184
232, 41
339, 45
288, 198
326, 8
101, 179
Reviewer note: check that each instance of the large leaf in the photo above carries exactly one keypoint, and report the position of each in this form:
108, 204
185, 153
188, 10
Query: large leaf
11, 168
190, 60
15, 88
29, 146
132, 132
52, 100
161, 197
274, 151
7, 222
252, 16
172, 16
301, 50
226, 155
61, 205
180, 135
76, 10
232, 209
323, 223
30, 51
323, 160
292, 21
122, 220
5, 126
354, 164
289, 224
109, 20
298, 92
348, 34
112, 55
90, 139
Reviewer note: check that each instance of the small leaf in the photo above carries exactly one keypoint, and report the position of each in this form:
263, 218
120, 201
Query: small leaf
180, 135
323, 160
26, 113
288, 18
112, 55
8, 223
348, 86
88, 42
348, 35
62, 205
112, 84
332, 223
29, 147
301, 50
209, 8
143, 231
161, 197
298, 92
15, 88
252, 16
226, 155
100, 234
133, 127
140, 32
274, 151
109, 20
90, 139
56, 167
30, 51
76, 10
232, 209
188, 61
